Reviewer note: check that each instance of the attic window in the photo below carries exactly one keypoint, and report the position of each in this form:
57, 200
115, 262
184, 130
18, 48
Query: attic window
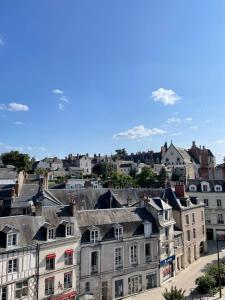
218, 188
11, 239
69, 230
51, 233
94, 236
118, 232
192, 187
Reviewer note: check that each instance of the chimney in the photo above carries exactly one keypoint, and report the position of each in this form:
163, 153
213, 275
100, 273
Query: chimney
193, 144
16, 189
180, 190
72, 207
46, 180
38, 209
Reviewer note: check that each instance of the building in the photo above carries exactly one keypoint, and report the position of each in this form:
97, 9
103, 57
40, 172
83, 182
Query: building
49, 163
188, 213
212, 194
181, 164
119, 252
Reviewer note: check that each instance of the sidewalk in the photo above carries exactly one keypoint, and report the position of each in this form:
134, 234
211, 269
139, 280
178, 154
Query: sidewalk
185, 279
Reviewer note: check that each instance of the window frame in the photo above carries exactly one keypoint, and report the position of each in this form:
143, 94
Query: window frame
121, 255
24, 289
134, 254
68, 280
48, 280
10, 237
14, 266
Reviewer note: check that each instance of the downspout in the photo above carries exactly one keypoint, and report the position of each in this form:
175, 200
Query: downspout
37, 264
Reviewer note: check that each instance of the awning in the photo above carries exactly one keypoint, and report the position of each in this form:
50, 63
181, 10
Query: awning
69, 252
50, 256
66, 296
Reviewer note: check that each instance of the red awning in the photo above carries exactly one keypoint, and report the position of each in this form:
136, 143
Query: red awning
70, 251
67, 296
49, 256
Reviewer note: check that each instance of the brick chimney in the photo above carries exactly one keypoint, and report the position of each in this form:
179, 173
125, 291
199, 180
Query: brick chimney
180, 190
72, 207
17, 188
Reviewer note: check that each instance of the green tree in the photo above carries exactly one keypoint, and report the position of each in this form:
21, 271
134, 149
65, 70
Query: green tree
121, 154
103, 169
147, 178
162, 178
19, 160
174, 294
122, 181
205, 284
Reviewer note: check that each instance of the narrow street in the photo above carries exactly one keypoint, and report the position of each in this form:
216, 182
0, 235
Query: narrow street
186, 278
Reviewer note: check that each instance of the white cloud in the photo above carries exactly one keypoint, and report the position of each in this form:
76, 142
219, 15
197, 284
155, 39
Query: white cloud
58, 91
176, 134
188, 119
166, 96
173, 120
18, 123
1, 41
64, 99
60, 106
194, 127
138, 132
220, 141
17, 107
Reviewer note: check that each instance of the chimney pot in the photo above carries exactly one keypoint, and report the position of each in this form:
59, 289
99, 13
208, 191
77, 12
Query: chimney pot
180, 190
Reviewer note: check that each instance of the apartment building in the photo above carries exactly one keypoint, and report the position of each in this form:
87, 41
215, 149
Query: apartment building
212, 194
119, 252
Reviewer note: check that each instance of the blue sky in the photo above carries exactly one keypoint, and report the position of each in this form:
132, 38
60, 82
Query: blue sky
93, 76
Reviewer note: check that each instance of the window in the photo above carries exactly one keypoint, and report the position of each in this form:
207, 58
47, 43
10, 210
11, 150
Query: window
50, 262
69, 257
193, 218
166, 215
133, 254
94, 262
67, 280
203, 229
69, 230
188, 235
12, 265
166, 233
219, 203
205, 188
94, 236
220, 219
104, 290
194, 233
87, 286
206, 202
118, 232
11, 239
3, 293
148, 257
207, 219
119, 288
167, 249
151, 281
21, 289
187, 219
147, 229
118, 257
134, 284
51, 234
202, 215
49, 286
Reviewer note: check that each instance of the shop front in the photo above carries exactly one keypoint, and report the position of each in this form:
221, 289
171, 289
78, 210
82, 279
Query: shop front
166, 268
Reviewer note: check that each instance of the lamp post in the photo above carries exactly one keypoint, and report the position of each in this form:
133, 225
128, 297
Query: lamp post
218, 262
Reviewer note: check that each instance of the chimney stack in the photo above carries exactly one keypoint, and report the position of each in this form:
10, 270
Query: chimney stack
193, 144
17, 189
72, 207
180, 190
38, 209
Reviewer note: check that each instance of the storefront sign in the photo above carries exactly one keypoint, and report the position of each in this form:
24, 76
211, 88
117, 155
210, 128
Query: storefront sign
167, 260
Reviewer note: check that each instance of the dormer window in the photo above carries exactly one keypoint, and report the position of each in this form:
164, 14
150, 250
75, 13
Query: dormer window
218, 188
94, 236
118, 232
205, 186
192, 188
69, 230
166, 215
11, 239
51, 233
147, 229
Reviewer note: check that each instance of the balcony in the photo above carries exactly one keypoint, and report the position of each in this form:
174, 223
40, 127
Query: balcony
220, 221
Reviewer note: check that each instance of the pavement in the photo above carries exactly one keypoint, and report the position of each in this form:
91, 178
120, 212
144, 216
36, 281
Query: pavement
186, 278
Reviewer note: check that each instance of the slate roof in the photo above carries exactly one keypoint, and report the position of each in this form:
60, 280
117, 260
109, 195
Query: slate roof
130, 218
212, 184
8, 173
184, 153
159, 204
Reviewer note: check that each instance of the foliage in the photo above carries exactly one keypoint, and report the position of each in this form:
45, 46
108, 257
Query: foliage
174, 294
103, 169
147, 178
205, 284
20, 161
40, 171
122, 181
121, 154
162, 178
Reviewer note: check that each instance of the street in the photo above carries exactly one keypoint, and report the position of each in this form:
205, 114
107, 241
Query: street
186, 278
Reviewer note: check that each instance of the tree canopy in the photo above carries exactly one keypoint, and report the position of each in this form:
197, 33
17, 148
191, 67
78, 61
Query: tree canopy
19, 160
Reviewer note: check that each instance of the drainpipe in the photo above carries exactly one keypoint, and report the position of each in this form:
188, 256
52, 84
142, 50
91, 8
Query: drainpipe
37, 265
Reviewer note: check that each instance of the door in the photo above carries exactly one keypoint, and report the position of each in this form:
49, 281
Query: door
119, 288
151, 281
104, 290
209, 234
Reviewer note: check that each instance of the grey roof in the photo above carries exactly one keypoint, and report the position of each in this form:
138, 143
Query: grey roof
28, 192
159, 204
212, 184
184, 153
8, 173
